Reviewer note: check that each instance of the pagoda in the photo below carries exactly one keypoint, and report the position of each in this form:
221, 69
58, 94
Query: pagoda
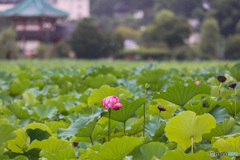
35, 22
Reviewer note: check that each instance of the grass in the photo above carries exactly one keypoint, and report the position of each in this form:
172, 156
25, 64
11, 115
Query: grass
14, 65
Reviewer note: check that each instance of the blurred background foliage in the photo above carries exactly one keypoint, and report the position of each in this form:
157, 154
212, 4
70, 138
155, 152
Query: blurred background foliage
162, 29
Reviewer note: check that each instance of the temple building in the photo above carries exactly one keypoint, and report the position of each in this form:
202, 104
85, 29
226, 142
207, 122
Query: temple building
35, 22
76, 8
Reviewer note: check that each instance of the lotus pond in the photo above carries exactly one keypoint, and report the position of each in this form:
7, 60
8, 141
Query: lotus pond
113, 110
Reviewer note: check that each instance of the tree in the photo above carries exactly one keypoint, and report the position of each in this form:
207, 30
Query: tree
171, 29
227, 13
233, 47
86, 40
8, 46
61, 49
209, 39
183, 7
128, 32
42, 51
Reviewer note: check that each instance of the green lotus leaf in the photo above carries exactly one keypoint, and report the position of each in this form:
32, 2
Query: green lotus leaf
196, 106
150, 150
219, 114
60, 155
30, 98
214, 81
81, 121
45, 112
99, 80
18, 110
54, 125
88, 130
103, 122
235, 132
18, 85
98, 95
229, 105
19, 144
7, 99
180, 155
2, 149
52, 145
221, 129
155, 126
231, 144
224, 93
7, 132
4, 157
20, 158
171, 108
180, 94
117, 148
152, 77
171, 145
186, 125
4, 121
41, 126
37, 134
97, 132
133, 126
128, 109
235, 71
96, 135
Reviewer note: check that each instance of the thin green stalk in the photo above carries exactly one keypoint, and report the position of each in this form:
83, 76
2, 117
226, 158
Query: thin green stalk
159, 115
91, 140
124, 128
200, 110
109, 111
192, 145
235, 103
144, 119
219, 91
144, 114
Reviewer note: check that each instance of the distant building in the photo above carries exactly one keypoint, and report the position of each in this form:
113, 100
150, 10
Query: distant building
6, 4
120, 9
76, 8
130, 44
43, 21
35, 22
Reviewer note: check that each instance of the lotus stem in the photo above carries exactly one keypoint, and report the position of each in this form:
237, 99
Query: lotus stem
219, 91
235, 103
109, 111
144, 114
192, 144
200, 110
159, 115
144, 119
124, 128
91, 140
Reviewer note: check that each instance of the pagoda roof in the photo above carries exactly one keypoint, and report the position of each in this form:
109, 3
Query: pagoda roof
33, 8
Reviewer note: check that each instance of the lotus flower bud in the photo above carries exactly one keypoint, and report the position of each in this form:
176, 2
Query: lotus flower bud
75, 144
147, 86
197, 82
111, 102
221, 79
205, 103
161, 108
232, 85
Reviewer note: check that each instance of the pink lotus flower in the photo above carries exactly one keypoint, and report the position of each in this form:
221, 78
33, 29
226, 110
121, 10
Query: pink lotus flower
111, 102
197, 82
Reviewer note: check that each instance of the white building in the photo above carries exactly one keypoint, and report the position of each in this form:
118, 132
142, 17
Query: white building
76, 8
